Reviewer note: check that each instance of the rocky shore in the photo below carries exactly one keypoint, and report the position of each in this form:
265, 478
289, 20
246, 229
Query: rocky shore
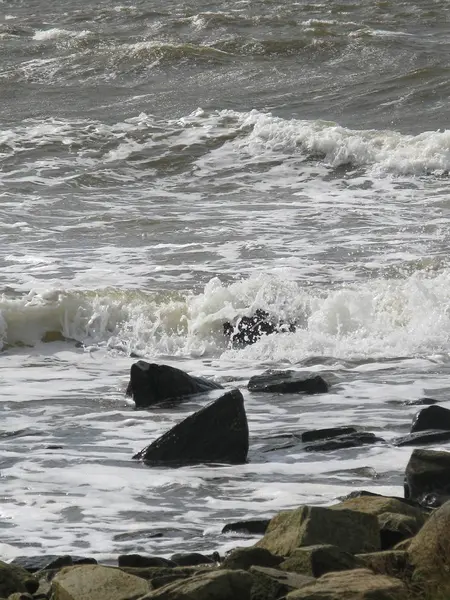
366, 547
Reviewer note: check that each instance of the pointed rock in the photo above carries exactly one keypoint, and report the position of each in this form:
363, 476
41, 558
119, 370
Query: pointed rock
217, 433
432, 417
151, 383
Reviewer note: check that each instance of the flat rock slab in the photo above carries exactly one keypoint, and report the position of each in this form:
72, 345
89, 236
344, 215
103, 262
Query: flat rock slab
350, 440
359, 584
50, 561
351, 531
422, 437
287, 382
95, 581
217, 433
325, 434
152, 384
215, 585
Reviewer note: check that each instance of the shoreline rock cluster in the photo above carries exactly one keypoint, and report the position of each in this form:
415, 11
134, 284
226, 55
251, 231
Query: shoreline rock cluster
366, 547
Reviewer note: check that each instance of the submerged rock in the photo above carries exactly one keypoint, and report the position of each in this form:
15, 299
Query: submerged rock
248, 330
217, 433
432, 417
350, 440
422, 437
325, 434
287, 382
427, 472
151, 384
50, 561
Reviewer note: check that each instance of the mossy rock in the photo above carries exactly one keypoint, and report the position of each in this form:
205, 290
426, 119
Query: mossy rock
220, 584
244, 558
271, 584
319, 559
429, 552
16, 579
377, 505
159, 576
96, 582
388, 562
350, 530
394, 528
358, 584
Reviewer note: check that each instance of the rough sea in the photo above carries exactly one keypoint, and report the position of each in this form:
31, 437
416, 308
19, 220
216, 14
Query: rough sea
168, 166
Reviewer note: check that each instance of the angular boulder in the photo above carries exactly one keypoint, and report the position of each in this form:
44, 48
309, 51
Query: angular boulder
287, 382
428, 471
318, 560
389, 562
214, 585
395, 528
429, 553
218, 433
95, 581
432, 417
350, 530
151, 384
359, 584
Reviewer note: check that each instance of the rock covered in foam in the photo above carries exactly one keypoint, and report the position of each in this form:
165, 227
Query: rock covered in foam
217, 433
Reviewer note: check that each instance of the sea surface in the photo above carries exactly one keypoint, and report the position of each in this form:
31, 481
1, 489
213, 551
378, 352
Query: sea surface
168, 166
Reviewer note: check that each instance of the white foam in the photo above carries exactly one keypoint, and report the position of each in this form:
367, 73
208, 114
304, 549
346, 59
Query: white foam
55, 33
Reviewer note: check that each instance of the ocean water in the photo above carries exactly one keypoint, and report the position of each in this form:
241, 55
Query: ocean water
168, 166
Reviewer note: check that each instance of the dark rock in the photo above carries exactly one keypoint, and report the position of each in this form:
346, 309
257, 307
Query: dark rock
319, 559
248, 330
428, 471
244, 558
191, 559
151, 384
51, 561
287, 382
351, 440
433, 500
324, 434
139, 562
422, 437
389, 562
217, 433
432, 417
394, 528
15, 579
254, 527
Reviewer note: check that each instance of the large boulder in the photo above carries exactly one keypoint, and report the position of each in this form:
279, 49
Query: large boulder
318, 560
350, 530
429, 553
359, 584
213, 585
95, 581
151, 384
432, 417
287, 382
217, 433
14, 578
428, 471
389, 562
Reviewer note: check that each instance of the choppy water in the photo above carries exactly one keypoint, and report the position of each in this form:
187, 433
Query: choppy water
167, 167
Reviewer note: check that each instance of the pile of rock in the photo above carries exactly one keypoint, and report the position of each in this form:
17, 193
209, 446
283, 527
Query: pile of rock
367, 547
